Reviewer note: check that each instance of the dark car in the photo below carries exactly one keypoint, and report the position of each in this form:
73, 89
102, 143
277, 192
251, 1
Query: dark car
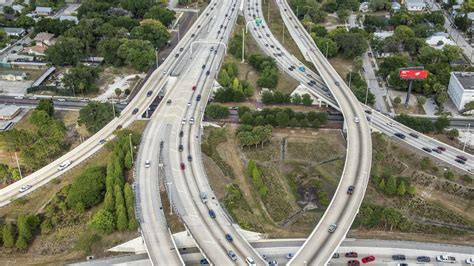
368, 259
350, 190
190, 158
181, 134
203, 262
182, 166
400, 135
437, 150
414, 135
229, 237
351, 255
135, 111
441, 148
208, 72
212, 214
427, 149
423, 259
353, 263
149, 93
198, 98
398, 257
180, 147
460, 161
461, 157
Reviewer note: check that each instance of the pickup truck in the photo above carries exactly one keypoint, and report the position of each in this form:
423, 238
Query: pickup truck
446, 259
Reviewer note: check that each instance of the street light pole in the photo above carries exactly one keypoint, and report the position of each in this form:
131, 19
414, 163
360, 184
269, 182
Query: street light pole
178, 33
243, 46
284, 35
366, 95
465, 142
169, 196
327, 49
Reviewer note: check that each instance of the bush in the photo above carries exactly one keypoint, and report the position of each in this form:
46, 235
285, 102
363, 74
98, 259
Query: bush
8, 236
88, 189
217, 111
103, 221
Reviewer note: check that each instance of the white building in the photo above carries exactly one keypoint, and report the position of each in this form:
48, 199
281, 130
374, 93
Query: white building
461, 88
459, 2
415, 5
43, 11
17, 32
383, 34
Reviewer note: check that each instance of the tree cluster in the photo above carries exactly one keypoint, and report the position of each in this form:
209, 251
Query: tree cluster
270, 97
393, 185
41, 144
95, 115
359, 88
81, 79
248, 135
268, 69
87, 189
8, 174
256, 175
21, 233
118, 209
217, 111
423, 125
278, 117
373, 216
350, 43
233, 89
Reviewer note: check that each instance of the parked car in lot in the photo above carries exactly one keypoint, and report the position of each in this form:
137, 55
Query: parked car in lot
398, 257
24, 188
368, 259
351, 255
423, 259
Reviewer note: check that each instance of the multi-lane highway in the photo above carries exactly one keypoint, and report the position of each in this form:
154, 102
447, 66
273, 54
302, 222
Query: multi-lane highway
175, 128
343, 208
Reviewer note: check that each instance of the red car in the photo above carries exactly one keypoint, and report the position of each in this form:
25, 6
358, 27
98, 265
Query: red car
182, 166
351, 255
368, 259
441, 148
461, 157
353, 263
194, 87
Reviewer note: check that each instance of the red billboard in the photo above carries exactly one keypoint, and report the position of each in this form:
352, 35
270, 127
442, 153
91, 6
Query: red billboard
413, 74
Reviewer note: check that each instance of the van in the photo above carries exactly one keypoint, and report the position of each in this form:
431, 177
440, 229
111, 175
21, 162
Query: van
64, 165
250, 261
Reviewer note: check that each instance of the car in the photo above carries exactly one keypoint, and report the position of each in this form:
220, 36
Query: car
398, 257
168, 102
289, 255
402, 264
180, 147
176, 55
190, 158
135, 111
460, 161
356, 119
183, 121
102, 141
441, 148
24, 188
414, 135
181, 134
149, 93
61, 99
461, 157
367, 259
273, 263
203, 262
191, 120
423, 259
164, 71
250, 261
229, 237
437, 150
118, 127
337, 83
189, 104
332, 228
335, 255
428, 150
212, 214
446, 259
400, 135
208, 72
232, 255
469, 261
203, 197
198, 98
194, 87
350, 190
182, 166
64, 165
390, 124
351, 255
147, 164
353, 263
33, 98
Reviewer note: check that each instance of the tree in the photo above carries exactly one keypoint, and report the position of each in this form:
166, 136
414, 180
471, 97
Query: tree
217, 111
376, 5
411, 190
88, 189
118, 92
351, 44
140, 54
403, 33
95, 115
453, 133
108, 48
46, 105
21, 243
122, 222
342, 14
151, 30
282, 119
4, 39
307, 100
25, 22
137, 7
235, 45
425, 163
421, 101
24, 229
81, 79
401, 189
462, 22
469, 106
8, 10
129, 200
327, 46
109, 202
382, 184
391, 186
166, 16
66, 51
397, 101
452, 52
441, 123
103, 221
7, 236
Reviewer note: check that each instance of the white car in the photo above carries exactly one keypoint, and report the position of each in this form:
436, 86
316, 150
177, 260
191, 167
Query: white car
61, 99
356, 119
64, 165
184, 121
191, 120
470, 261
19, 97
24, 188
189, 103
147, 164
250, 261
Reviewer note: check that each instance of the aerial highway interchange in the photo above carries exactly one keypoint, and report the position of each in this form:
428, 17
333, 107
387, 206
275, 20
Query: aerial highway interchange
174, 132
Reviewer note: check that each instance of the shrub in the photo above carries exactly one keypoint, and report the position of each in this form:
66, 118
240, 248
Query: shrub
103, 221
88, 189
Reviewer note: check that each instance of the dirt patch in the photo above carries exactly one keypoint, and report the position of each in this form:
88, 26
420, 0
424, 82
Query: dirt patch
342, 65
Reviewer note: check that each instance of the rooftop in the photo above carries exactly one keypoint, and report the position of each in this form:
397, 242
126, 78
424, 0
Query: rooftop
13, 30
43, 36
420, 3
466, 79
8, 110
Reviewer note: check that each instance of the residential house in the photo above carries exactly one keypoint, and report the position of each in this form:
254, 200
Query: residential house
72, 18
415, 5
16, 32
43, 41
396, 6
43, 11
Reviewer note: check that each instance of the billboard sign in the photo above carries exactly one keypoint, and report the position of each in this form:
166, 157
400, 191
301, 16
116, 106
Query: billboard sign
413, 74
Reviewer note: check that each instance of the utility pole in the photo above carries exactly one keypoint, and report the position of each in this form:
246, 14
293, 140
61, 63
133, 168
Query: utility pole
113, 107
243, 45
178, 33
463, 148
131, 147
350, 78
18, 165
327, 49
